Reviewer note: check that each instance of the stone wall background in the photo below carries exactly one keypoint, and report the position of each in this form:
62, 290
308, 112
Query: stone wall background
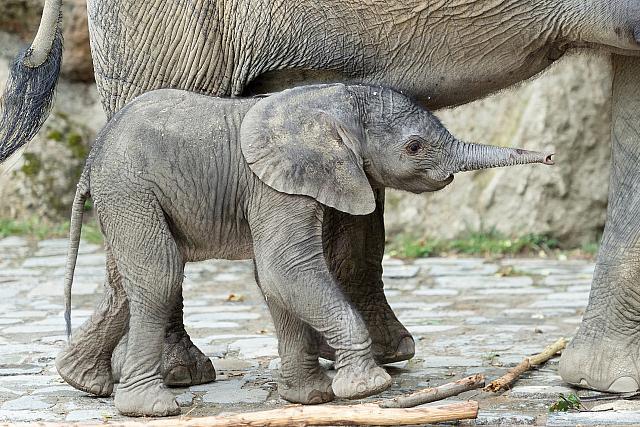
566, 110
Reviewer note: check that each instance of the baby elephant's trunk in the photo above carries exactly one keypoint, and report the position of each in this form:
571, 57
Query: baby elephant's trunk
467, 157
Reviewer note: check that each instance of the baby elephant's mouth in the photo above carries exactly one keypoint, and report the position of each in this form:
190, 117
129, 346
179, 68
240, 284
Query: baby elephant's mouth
440, 184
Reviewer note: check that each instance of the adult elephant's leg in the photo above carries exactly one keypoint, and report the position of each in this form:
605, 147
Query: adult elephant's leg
86, 362
183, 364
605, 354
354, 247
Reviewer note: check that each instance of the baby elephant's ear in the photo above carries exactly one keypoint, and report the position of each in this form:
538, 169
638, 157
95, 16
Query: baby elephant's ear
308, 141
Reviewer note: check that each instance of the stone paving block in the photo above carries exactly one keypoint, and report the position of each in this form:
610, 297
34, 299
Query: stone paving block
449, 361
17, 272
232, 394
488, 282
8, 391
59, 391
225, 315
430, 329
463, 270
27, 416
556, 303
19, 370
253, 348
185, 399
26, 403
225, 365
539, 391
89, 414
227, 277
496, 418
558, 419
191, 309
400, 272
435, 292
11, 242
55, 288
210, 325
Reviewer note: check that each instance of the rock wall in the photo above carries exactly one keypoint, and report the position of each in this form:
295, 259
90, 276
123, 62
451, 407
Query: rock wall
566, 110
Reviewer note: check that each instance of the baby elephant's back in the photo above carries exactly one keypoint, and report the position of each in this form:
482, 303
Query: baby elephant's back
183, 149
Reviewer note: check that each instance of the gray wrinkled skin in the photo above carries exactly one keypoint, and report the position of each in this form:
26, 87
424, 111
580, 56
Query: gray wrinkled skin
604, 354
179, 177
443, 52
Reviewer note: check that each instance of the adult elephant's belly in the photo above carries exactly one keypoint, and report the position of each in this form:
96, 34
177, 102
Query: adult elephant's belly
438, 85
196, 46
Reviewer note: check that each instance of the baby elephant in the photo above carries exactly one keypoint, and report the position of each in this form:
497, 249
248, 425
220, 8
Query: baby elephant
179, 177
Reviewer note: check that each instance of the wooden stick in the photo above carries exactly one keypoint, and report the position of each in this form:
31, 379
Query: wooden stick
435, 393
505, 381
321, 415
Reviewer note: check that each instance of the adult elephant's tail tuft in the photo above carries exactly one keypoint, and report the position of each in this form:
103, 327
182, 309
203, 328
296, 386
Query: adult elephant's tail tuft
28, 97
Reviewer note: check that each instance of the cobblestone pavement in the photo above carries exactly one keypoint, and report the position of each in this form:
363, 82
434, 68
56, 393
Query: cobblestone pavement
467, 315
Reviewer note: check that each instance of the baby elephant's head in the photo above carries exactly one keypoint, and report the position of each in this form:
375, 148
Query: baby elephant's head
335, 142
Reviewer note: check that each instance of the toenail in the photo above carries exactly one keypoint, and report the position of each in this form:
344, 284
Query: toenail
623, 385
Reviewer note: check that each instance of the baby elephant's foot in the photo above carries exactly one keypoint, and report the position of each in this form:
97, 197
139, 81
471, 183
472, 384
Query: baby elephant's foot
313, 390
184, 364
355, 382
150, 399
84, 371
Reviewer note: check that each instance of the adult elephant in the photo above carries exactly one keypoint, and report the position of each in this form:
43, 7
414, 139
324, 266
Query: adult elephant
441, 52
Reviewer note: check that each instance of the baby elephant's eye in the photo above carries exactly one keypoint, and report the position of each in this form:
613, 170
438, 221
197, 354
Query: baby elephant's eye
414, 147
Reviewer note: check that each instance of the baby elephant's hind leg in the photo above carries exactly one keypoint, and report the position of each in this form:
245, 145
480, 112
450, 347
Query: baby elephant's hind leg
86, 362
152, 268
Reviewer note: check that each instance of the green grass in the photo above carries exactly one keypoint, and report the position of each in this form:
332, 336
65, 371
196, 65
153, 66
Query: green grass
37, 229
476, 243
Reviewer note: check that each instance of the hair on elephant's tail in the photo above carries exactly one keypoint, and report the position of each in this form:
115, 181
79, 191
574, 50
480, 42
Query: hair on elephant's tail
30, 89
75, 229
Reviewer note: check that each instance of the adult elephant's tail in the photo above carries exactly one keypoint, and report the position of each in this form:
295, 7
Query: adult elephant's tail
29, 93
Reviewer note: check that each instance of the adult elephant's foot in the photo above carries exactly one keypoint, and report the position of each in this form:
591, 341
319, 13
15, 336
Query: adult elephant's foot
391, 341
356, 381
311, 388
390, 344
183, 364
601, 364
88, 372
149, 399
354, 248
605, 354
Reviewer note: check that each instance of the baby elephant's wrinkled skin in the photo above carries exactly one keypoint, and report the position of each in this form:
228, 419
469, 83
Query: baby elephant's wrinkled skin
179, 177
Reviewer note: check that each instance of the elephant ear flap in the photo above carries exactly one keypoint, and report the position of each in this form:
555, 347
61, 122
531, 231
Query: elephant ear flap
307, 141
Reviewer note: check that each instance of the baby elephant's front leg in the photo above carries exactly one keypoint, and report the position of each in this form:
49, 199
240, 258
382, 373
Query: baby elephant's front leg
302, 379
293, 274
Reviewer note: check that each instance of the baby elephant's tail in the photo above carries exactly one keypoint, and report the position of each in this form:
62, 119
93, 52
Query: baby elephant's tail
75, 228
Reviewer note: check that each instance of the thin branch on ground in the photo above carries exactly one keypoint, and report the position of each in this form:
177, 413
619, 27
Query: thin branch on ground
435, 393
505, 381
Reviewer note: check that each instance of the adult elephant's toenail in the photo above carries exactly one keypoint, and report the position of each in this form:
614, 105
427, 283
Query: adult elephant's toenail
623, 385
